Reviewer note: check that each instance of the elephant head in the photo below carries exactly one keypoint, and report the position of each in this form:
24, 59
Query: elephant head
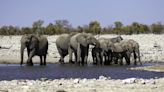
87, 39
30, 42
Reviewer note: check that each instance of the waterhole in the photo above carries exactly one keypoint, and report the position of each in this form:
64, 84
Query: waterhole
57, 71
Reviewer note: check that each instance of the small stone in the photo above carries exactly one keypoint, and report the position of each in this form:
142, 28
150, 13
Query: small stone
76, 81
143, 82
153, 82
60, 84
43, 79
61, 90
129, 81
102, 78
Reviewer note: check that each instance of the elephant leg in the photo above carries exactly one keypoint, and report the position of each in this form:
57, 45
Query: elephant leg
121, 59
135, 57
41, 60
139, 58
75, 57
127, 58
28, 53
78, 53
94, 57
86, 55
29, 60
45, 56
70, 54
61, 60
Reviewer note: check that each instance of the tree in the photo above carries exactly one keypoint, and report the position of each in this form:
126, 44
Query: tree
50, 29
94, 27
118, 27
37, 26
157, 28
62, 26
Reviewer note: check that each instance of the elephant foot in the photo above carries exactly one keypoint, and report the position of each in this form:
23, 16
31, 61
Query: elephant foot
71, 62
121, 63
106, 63
29, 64
61, 61
94, 63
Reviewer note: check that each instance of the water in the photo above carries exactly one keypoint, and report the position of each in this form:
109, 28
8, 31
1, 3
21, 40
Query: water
57, 71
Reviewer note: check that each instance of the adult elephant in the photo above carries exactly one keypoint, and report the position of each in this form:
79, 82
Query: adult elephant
106, 53
79, 44
120, 50
135, 50
36, 45
124, 49
62, 44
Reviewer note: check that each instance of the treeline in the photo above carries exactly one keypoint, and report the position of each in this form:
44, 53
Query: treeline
63, 26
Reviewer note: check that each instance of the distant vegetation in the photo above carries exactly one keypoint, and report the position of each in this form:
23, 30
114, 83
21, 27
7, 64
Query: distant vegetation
63, 26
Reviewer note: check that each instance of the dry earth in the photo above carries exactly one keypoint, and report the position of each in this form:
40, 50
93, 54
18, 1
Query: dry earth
151, 47
102, 84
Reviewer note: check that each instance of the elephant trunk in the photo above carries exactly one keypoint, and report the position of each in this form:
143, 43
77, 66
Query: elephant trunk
22, 53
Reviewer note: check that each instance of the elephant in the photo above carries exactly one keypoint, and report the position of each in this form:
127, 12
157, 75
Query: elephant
62, 44
119, 50
124, 48
106, 53
79, 44
135, 50
96, 56
36, 45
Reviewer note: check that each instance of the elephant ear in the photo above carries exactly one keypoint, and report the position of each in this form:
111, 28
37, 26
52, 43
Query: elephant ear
82, 40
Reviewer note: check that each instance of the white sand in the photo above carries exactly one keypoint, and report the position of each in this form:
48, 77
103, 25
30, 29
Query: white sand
103, 84
146, 42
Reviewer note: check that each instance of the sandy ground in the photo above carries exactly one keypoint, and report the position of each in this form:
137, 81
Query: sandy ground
151, 47
102, 84
149, 53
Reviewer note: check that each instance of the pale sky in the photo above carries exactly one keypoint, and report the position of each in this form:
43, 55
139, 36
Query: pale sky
80, 12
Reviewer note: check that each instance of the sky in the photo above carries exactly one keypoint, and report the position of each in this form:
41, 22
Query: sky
23, 13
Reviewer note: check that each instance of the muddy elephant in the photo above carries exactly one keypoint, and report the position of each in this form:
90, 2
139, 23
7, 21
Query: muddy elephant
36, 45
79, 45
62, 44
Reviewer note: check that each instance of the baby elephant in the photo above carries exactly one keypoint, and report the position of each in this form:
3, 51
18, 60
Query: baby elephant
96, 55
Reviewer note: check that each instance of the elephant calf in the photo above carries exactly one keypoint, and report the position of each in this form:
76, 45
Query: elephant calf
36, 45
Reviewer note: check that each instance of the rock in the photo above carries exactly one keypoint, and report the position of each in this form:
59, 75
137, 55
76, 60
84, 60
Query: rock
143, 82
102, 78
76, 81
43, 79
61, 90
129, 81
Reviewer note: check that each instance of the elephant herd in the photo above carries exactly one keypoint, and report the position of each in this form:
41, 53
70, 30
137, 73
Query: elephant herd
105, 51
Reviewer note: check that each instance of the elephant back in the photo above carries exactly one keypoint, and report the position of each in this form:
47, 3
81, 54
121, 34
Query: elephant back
43, 43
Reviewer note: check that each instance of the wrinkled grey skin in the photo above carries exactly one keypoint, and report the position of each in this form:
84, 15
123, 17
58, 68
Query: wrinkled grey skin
106, 53
135, 50
79, 44
96, 56
62, 44
124, 49
36, 45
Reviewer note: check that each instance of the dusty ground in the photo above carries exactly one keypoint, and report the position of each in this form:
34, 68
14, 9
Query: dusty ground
102, 84
151, 47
